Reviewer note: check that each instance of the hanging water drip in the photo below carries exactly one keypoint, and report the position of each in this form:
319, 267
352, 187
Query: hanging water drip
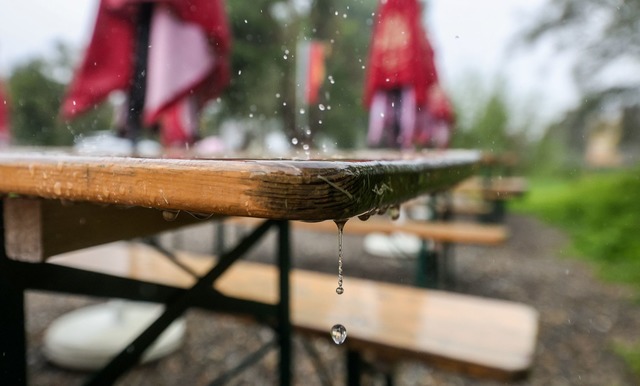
170, 215
338, 334
394, 212
340, 224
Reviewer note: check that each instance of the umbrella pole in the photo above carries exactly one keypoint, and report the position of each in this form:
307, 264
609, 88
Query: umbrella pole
137, 90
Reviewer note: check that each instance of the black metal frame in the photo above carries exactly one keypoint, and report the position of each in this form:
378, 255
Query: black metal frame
16, 277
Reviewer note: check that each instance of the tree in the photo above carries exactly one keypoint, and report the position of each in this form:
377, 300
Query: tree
603, 34
266, 34
36, 94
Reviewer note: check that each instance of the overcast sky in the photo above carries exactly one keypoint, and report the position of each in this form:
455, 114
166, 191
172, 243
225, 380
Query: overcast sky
470, 37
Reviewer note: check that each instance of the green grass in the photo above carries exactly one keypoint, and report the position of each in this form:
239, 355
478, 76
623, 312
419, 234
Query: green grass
601, 213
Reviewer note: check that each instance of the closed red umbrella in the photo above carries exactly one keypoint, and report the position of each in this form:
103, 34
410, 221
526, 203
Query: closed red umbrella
400, 73
5, 132
187, 61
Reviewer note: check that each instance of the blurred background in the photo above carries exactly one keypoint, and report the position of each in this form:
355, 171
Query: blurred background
554, 82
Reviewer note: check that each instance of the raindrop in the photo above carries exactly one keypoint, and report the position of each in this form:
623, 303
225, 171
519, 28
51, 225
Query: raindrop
338, 334
394, 212
305, 147
340, 224
364, 217
245, 21
331, 79
239, 72
301, 111
170, 215
285, 57
277, 95
294, 141
321, 107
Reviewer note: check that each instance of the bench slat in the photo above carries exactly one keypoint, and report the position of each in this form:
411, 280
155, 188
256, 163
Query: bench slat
477, 336
451, 232
497, 188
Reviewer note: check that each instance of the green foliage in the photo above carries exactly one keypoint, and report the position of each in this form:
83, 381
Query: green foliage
631, 354
36, 96
484, 120
600, 211
264, 59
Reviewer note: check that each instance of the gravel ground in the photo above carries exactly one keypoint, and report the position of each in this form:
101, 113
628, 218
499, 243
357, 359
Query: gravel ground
581, 318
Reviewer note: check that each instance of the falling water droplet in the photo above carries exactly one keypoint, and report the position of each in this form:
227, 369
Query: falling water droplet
340, 224
338, 333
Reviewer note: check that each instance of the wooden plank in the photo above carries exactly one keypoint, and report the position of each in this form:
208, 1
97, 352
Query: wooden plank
476, 336
36, 229
311, 190
496, 188
451, 232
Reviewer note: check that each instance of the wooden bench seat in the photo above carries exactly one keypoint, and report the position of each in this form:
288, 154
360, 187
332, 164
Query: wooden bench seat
475, 336
447, 232
496, 188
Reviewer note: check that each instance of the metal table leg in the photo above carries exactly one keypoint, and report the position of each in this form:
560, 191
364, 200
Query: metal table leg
13, 351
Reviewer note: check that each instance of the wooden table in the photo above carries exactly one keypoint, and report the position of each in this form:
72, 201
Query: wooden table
54, 203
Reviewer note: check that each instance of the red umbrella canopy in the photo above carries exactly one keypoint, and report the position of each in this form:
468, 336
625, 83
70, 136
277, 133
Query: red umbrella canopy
400, 54
188, 55
5, 135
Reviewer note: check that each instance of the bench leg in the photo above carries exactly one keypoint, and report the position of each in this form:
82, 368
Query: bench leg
13, 341
284, 312
497, 213
354, 368
427, 269
13, 353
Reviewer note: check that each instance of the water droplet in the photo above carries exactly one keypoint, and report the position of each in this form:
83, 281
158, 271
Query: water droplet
340, 224
394, 212
301, 111
294, 141
170, 215
321, 107
338, 334
57, 188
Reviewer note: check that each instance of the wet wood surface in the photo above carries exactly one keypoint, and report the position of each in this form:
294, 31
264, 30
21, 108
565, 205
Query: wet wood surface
309, 190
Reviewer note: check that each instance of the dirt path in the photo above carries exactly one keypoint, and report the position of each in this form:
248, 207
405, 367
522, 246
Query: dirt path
581, 318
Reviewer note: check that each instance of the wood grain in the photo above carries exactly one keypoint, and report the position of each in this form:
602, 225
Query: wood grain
311, 190
37, 229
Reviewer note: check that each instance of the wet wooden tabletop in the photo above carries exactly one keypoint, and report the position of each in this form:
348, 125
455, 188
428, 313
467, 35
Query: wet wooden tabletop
284, 189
